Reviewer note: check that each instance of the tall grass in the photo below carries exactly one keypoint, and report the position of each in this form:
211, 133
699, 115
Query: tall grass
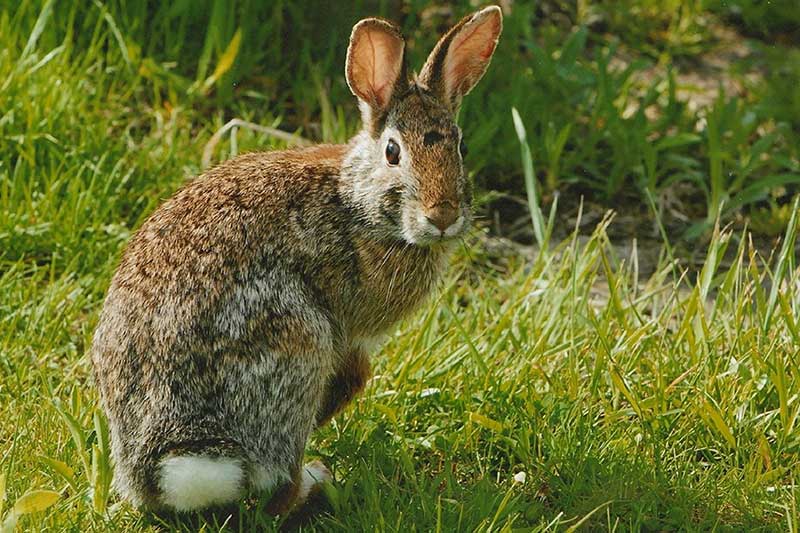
664, 404
608, 127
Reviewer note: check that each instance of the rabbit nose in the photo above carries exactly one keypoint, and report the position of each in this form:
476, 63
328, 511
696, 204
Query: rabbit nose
442, 215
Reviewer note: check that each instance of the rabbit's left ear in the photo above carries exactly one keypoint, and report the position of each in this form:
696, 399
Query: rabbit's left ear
461, 57
375, 64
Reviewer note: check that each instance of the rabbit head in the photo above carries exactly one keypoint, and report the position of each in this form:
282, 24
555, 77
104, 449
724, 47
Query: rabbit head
405, 169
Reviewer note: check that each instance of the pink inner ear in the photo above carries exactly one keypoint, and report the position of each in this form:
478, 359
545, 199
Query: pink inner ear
488, 50
376, 61
469, 54
386, 65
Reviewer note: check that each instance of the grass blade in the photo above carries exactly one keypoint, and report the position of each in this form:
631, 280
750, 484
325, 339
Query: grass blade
101, 466
2, 493
785, 257
226, 61
537, 218
77, 435
38, 28
62, 469
574, 527
34, 501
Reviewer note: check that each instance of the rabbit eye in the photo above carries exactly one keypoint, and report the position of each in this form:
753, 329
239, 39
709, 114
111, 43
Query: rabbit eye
462, 148
392, 153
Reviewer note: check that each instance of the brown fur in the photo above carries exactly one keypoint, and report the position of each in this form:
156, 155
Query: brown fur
286, 496
440, 162
349, 380
237, 319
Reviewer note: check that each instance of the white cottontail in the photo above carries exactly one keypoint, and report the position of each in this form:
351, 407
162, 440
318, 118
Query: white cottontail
239, 316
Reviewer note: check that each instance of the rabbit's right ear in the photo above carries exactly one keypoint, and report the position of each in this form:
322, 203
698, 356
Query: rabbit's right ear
375, 64
462, 56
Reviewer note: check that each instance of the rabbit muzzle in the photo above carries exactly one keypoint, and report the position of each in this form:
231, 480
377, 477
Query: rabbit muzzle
442, 215
442, 221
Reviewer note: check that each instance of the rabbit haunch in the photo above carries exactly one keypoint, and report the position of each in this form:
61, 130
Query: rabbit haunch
240, 314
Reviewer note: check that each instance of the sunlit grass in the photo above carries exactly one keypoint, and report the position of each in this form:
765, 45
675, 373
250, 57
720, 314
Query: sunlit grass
664, 404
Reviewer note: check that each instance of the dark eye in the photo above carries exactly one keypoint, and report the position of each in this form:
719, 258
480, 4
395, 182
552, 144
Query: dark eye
392, 152
462, 148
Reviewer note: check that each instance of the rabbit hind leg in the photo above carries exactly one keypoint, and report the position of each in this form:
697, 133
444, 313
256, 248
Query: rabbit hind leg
305, 482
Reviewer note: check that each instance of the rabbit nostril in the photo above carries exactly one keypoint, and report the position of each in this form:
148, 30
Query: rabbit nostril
442, 216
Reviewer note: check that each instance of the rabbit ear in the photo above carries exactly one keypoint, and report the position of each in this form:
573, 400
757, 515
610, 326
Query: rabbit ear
375, 63
461, 57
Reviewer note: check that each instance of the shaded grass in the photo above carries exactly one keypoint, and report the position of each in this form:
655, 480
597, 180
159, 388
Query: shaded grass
595, 83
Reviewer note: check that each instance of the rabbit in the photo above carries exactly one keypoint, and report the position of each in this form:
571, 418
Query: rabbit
242, 312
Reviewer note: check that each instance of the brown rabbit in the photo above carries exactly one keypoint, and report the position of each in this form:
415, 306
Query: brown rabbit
239, 317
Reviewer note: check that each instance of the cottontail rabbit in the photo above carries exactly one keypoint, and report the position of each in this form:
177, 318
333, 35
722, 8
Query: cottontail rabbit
240, 313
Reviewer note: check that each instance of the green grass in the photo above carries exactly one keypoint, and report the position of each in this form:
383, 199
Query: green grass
597, 83
667, 403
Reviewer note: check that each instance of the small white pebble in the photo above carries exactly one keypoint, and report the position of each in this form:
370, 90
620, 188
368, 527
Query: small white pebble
520, 477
